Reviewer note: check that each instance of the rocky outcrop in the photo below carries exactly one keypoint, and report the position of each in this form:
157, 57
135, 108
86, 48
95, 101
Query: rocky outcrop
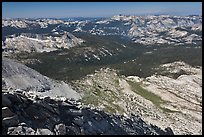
179, 67
18, 76
28, 114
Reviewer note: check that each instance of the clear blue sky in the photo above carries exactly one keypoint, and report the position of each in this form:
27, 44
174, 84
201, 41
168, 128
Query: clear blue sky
96, 9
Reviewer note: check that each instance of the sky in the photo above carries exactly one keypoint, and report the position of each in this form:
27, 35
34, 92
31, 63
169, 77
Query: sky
97, 9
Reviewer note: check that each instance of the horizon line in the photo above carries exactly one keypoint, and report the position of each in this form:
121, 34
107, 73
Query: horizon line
101, 16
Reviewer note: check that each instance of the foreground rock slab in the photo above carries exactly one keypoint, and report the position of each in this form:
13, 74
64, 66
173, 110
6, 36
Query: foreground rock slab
60, 116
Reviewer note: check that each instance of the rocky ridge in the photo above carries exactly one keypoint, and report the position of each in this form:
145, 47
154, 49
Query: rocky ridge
158, 99
27, 42
24, 113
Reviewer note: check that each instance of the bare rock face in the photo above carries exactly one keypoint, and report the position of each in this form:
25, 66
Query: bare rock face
19, 76
59, 116
183, 96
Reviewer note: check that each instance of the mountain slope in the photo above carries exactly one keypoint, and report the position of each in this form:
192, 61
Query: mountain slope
19, 76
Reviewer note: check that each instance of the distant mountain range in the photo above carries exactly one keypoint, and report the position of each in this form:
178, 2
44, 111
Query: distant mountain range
146, 30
